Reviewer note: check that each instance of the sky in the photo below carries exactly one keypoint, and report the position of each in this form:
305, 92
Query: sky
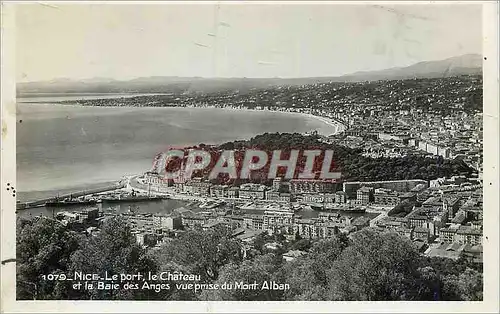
125, 41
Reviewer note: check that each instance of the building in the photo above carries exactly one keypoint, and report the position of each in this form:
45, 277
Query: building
416, 220
329, 198
412, 142
278, 196
386, 198
432, 149
447, 234
364, 195
146, 238
167, 222
444, 152
89, 214
277, 183
252, 191
446, 250
462, 235
254, 222
420, 233
315, 228
312, 198
199, 186
277, 219
398, 185
392, 223
219, 191
389, 137
233, 192
299, 186
340, 197
179, 187
469, 235
191, 219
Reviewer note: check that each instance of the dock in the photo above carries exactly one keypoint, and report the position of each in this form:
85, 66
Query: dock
41, 202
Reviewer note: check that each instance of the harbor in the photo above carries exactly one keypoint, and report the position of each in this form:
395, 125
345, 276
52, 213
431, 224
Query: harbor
116, 193
70, 196
129, 197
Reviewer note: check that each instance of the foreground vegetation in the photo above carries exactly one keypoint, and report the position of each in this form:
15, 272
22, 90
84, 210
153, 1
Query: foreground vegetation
367, 266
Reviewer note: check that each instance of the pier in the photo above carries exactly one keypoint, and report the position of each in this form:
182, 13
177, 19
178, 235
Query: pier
41, 202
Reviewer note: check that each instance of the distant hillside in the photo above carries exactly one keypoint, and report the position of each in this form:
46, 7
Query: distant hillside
461, 65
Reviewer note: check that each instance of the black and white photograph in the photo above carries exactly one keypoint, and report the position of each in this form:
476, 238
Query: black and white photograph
239, 151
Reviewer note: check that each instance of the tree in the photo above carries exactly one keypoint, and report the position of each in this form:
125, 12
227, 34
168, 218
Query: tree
375, 266
44, 247
324, 253
113, 251
302, 278
203, 252
257, 271
471, 285
307, 275
428, 284
260, 240
302, 245
467, 286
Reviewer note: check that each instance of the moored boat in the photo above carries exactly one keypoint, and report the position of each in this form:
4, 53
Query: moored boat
70, 202
129, 198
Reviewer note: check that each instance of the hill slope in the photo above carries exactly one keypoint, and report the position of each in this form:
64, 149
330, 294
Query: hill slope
461, 65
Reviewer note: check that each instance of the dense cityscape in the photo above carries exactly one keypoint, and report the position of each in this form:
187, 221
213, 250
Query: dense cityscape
408, 209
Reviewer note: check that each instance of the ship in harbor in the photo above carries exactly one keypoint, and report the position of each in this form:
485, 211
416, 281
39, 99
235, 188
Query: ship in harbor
317, 206
129, 197
358, 210
71, 202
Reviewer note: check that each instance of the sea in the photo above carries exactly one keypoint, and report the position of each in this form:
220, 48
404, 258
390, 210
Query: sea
64, 148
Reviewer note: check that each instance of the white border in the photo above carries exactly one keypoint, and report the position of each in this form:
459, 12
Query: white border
491, 199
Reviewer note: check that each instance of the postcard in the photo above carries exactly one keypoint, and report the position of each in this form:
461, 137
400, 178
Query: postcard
284, 156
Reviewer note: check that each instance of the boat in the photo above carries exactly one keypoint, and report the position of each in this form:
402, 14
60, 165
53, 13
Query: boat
353, 210
71, 202
317, 206
348, 209
307, 208
130, 198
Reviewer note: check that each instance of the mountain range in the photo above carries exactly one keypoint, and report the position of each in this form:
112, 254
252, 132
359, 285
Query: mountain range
469, 64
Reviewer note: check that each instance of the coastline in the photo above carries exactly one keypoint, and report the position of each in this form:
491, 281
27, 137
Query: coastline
337, 126
328, 121
332, 126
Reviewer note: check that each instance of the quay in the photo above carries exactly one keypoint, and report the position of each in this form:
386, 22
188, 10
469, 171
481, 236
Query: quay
41, 202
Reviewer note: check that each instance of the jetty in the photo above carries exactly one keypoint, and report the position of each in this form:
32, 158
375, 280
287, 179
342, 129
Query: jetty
41, 202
